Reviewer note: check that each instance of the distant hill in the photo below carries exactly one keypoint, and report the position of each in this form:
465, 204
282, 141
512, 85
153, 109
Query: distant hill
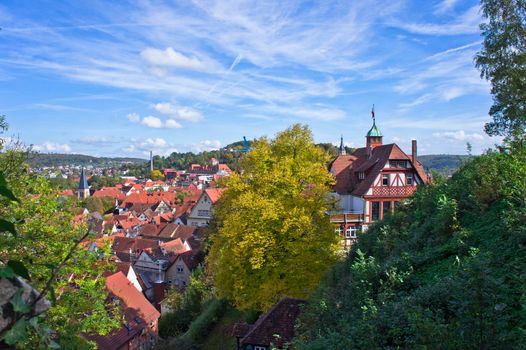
442, 162
37, 160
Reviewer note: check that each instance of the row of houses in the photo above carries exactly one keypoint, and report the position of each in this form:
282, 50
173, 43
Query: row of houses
154, 234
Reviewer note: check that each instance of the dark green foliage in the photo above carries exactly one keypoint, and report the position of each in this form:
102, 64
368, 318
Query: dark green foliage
212, 311
186, 307
502, 61
447, 271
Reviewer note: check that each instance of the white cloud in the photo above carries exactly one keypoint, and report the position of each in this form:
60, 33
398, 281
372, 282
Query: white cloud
156, 142
467, 23
206, 145
152, 122
133, 117
90, 140
445, 6
53, 147
184, 113
157, 145
172, 124
459, 135
170, 57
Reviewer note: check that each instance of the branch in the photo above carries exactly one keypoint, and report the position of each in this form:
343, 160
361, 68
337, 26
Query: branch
46, 288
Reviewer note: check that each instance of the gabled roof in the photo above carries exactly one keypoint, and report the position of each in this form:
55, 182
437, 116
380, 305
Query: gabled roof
214, 193
345, 168
280, 320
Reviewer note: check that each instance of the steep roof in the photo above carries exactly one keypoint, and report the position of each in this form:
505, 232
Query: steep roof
214, 193
345, 168
341, 170
137, 311
83, 183
280, 320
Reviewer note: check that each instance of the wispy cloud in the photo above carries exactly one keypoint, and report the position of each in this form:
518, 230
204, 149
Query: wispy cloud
467, 23
459, 135
52, 147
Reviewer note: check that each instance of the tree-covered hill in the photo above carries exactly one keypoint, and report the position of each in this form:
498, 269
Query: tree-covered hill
447, 271
37, 160
443, 163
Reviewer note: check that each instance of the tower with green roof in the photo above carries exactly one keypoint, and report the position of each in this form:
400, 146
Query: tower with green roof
374, 136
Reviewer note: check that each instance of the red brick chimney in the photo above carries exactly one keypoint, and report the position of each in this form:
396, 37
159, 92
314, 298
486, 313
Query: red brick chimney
413, 151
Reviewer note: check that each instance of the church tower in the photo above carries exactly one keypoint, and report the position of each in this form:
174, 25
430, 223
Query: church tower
83, 190
374, 136
342, 151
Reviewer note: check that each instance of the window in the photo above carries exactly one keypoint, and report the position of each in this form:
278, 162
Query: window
351, 232
361, 175
259, 348
386, 208
180, 268
375, 211
409, 179
385, 180
203, 213
393, 164
338, 230
402, 164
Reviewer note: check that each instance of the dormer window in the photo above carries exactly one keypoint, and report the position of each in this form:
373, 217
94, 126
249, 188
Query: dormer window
361, 175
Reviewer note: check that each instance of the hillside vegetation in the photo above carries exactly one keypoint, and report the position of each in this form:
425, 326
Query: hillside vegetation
447, 271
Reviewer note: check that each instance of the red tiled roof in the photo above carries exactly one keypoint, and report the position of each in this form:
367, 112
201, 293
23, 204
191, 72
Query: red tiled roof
214, 193
280, 320
121, 287
124, 244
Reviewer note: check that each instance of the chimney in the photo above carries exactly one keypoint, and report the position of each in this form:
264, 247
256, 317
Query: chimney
151, 161
413, 151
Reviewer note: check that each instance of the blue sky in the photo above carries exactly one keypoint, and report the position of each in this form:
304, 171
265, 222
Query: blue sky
121, 78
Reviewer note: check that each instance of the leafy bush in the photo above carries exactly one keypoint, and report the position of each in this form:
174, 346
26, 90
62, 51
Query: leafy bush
445, 271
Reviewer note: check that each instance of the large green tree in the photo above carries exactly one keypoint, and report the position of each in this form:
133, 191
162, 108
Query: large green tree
272, 237
502, 61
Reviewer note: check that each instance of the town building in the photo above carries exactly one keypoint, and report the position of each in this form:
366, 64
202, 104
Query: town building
201, 213
371, 182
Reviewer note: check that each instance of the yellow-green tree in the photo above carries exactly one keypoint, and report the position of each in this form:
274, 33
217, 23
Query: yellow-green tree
272, 238
156, 175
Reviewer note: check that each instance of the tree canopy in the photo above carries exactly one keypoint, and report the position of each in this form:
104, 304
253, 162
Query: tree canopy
502, 61
272, 236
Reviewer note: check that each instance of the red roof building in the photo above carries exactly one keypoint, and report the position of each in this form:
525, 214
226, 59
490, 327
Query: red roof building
273, 330
139, 329
371, 182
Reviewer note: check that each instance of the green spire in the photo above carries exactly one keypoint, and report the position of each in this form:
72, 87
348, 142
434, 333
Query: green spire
374, 132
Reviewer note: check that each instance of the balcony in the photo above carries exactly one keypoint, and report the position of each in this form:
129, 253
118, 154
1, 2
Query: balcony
393, 191
339, 216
